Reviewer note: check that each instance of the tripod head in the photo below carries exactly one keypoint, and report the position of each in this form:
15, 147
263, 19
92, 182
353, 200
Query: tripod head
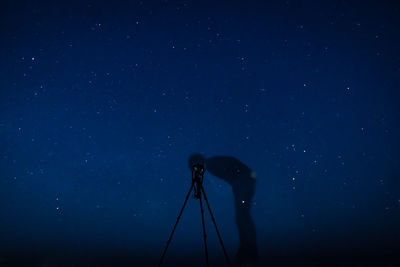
197, 178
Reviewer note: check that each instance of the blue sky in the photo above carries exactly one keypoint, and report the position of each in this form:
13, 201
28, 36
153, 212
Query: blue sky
102, 103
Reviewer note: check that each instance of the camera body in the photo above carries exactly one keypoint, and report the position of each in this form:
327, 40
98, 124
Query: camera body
198, 168
197, 177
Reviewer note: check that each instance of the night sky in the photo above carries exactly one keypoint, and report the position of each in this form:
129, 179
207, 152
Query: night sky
102, 102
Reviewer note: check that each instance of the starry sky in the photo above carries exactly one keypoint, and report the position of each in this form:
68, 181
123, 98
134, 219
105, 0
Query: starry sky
102, 102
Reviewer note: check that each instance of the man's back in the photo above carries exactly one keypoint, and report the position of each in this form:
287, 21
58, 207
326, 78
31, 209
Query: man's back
227, 168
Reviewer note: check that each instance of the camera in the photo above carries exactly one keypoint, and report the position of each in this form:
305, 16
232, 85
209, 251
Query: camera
198, 168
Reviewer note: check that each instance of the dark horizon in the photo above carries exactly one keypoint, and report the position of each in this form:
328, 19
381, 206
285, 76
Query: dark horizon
279, 257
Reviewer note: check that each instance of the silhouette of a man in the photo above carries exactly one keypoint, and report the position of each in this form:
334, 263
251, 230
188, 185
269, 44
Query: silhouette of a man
242, 180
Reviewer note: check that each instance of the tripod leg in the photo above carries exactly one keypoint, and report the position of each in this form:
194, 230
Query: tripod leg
204, 230
216, 229
176, 223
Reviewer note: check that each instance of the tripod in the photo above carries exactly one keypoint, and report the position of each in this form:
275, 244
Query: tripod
197, 184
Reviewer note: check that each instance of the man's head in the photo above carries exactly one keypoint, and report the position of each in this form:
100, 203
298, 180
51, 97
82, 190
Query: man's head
196, 159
